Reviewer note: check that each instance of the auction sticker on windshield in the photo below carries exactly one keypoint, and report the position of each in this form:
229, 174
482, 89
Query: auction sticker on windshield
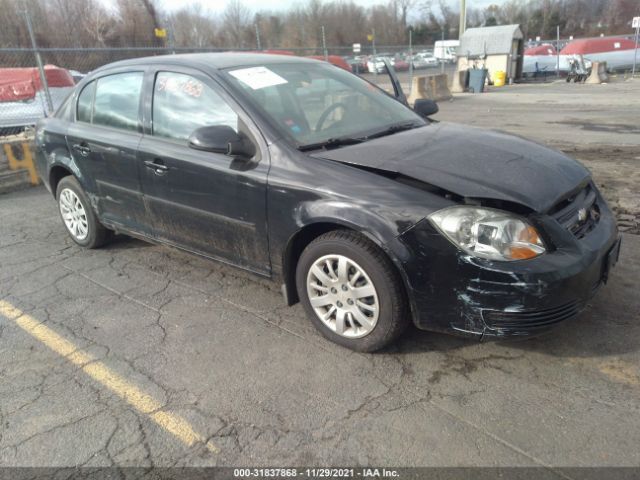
258, 77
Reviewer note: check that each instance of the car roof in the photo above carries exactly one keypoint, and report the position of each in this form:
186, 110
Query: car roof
211, 61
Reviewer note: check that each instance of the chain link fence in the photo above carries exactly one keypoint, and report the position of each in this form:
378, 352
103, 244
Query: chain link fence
23, 96
29, 93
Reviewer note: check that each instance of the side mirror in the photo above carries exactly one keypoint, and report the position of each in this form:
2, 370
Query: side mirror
222, 139
425, 107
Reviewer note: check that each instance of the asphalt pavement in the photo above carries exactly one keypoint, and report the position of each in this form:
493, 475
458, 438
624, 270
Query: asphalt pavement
141, 355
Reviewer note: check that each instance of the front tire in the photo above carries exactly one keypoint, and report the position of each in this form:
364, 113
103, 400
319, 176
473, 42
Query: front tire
77, 215
351, 291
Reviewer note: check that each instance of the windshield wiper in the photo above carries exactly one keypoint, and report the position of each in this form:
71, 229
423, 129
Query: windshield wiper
342, 141
398, 127
331, 143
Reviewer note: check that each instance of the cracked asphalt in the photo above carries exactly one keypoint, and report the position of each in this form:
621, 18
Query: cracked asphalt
217, 348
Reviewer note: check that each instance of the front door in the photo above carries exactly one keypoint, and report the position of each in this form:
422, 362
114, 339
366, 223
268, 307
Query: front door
204, 202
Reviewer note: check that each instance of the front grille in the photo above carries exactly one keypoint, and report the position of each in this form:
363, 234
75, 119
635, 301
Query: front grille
580, 213
529, 319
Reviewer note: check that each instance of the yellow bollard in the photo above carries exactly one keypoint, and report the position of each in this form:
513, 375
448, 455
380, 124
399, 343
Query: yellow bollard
25, 162
499, 78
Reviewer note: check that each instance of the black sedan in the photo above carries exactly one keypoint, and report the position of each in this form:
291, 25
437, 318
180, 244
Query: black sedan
364, 210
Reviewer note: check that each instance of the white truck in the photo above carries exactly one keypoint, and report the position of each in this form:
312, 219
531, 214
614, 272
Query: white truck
445, 50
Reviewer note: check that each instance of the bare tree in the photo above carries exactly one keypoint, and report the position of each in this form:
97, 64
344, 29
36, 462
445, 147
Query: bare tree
236, 19
405, 6
194, 27
91, 23
99, 25
135, 24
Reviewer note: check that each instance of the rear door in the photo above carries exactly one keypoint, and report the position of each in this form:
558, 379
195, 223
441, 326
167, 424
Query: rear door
204, 202
103, 142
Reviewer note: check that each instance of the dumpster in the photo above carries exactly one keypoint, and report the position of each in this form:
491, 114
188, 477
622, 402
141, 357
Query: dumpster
477, 77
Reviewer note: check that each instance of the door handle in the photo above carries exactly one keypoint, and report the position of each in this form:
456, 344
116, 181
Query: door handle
157, 167
81, 148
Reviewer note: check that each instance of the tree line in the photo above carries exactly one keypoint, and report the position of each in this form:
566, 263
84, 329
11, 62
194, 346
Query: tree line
132, 23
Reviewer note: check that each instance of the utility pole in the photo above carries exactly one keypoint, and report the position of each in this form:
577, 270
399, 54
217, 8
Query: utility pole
373, 47
171, 37
463, 18
635, 51
410, 56
43, 77
258, 37
324, 46
441, 54
558, 50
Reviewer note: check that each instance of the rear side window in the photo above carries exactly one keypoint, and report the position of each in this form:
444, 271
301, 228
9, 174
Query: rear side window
85, 103
117, 100
182, 104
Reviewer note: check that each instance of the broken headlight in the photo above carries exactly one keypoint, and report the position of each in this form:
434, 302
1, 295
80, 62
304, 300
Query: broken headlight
488, 233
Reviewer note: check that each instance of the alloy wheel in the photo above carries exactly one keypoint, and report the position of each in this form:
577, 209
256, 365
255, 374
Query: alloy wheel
343, 296
73, 214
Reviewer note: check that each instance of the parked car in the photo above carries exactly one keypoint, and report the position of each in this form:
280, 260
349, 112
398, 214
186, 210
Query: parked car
22, 98
418, 62
424, 60
431, 60
364, 210
377, 64
336, 60
358, 65
400, 65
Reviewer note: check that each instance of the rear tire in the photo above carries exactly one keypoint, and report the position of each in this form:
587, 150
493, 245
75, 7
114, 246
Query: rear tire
357, 294
78, 216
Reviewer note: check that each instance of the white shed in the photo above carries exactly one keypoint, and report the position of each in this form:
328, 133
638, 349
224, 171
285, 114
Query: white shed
495, 48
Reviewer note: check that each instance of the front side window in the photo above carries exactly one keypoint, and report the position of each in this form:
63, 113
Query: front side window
117, 100
182, 104
316, 102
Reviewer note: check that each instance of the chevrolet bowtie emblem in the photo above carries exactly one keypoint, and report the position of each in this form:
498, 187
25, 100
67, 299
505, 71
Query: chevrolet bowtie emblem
582, 214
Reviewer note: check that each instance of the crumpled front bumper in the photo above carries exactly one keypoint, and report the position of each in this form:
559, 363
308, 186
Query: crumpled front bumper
451, 291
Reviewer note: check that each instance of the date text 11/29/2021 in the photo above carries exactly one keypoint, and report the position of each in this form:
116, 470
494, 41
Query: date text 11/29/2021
315, 473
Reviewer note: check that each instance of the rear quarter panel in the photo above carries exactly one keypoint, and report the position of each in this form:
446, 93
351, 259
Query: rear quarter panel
52, 149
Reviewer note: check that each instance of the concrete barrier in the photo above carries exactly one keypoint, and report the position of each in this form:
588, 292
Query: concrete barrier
433, 87
17, 167
598, 73
457, 86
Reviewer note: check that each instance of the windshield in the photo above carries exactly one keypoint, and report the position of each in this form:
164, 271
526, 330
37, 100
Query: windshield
315, 103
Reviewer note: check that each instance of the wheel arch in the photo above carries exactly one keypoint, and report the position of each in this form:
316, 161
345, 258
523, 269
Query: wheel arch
305, 235
57, 173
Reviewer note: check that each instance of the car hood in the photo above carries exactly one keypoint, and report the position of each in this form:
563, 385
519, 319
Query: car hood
471, 162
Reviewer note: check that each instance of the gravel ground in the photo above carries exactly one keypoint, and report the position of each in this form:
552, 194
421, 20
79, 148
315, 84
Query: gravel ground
597, 124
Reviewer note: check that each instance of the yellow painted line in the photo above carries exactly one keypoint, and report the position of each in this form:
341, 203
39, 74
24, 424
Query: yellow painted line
98, 371
621, 371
